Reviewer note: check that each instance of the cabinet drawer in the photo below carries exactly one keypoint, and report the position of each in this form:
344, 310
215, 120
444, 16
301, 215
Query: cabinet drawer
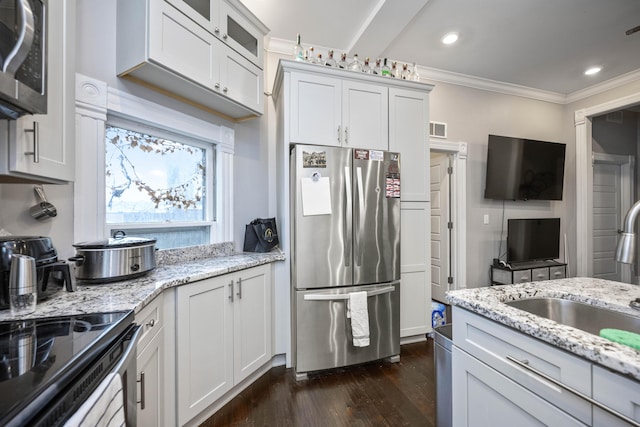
558, 272
521, 276
151, 319
491, 343
619, 393
538, 274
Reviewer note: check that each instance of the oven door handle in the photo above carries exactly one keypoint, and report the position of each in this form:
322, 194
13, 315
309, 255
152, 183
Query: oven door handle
133, 335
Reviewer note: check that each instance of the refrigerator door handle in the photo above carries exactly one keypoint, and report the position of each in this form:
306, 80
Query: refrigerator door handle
338, 297
359, 221
348, 212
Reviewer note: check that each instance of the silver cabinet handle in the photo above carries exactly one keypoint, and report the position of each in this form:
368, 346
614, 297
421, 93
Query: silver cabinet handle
224, 37
217, 85
346, 134
142, 387
231, 291
239, 293
339, 135
36, 143
217, 30
225, 89
151, 323
524, 364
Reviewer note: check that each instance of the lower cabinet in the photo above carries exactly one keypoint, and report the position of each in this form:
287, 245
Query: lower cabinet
223, 334
150, 365
502, 377
491, 399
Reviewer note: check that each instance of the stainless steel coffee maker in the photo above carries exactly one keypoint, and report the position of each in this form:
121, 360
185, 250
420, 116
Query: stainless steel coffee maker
52, 275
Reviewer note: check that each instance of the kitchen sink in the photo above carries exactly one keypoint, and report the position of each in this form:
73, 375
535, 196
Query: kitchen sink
586, 317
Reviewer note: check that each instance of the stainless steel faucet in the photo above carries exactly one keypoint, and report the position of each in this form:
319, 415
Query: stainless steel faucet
626, 249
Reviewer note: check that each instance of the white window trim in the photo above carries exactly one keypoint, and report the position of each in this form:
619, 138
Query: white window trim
94, 100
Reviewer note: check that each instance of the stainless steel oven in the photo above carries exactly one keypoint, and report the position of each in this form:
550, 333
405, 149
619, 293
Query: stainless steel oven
50, 368
23, 59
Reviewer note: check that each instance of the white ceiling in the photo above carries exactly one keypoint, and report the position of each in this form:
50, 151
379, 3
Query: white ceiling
539, 44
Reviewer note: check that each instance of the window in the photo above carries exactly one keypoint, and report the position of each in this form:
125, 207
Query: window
195, 196
158, 184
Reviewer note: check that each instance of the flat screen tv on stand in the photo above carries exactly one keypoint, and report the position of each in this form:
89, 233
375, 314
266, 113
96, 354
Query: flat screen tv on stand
533, 239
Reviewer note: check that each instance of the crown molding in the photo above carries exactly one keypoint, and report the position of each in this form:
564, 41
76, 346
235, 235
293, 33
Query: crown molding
284, 47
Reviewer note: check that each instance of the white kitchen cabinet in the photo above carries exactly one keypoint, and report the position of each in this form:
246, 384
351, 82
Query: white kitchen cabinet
506, 377
338, 112
151, 365
484, 397
47, 154
409, 135
167, 46
229, 21
223, 328
616, 392
415, 269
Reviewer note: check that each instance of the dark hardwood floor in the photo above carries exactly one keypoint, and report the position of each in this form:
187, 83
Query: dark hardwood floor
374, 394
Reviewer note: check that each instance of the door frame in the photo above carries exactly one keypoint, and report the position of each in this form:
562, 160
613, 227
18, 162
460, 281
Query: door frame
458, 242
627, 166
584, 176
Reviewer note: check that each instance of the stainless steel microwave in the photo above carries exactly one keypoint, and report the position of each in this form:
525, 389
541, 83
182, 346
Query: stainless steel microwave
23, 63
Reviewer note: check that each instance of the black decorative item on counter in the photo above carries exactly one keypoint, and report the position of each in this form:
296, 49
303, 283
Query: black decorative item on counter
261, 235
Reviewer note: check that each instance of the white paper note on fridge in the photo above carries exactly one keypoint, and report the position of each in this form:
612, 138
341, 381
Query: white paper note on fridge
316, 196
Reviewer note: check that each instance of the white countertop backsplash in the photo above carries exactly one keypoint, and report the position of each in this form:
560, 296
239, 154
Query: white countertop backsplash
175, 267
490, 302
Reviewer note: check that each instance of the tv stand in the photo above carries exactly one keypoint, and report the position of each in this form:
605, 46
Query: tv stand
532, 271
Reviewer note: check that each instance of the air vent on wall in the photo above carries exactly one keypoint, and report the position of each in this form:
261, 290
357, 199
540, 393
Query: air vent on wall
438, 129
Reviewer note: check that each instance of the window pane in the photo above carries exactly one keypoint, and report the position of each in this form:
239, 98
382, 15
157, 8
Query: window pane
151, 179
168, 238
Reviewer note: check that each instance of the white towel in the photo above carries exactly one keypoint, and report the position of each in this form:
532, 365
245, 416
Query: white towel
358, 312
104, 407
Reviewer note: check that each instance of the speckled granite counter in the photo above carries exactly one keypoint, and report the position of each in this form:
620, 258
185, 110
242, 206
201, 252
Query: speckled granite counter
175, 267
489, 302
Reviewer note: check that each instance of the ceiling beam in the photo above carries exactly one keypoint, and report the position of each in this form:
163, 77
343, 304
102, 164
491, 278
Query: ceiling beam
385, 22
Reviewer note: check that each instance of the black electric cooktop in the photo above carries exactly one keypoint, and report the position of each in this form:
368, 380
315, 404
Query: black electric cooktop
40, 357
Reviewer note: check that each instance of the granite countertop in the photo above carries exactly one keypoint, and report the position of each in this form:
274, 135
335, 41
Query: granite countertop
489, 302
174, 268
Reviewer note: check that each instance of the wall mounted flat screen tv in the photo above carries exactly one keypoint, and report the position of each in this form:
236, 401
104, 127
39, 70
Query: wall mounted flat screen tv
524, 169
534, 239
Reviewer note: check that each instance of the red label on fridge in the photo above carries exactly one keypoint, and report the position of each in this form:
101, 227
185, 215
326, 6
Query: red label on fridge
361, 154
392, 186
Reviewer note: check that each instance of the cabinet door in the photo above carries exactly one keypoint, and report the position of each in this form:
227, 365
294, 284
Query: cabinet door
251, 321
203, 12
365, 115
54, 138
409, 135
241, 80
204, 344
316, 110
240, 34
179, 45
150, 366
484, 397
415, 272
619, 393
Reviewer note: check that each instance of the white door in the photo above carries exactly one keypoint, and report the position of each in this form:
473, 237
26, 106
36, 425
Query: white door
609, 207
440, 232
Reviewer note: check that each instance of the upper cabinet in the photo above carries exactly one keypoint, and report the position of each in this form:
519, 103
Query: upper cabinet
40, 147
332, 111
208, 53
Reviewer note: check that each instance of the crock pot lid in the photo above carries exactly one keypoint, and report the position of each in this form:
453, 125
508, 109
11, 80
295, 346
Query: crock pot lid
115, 242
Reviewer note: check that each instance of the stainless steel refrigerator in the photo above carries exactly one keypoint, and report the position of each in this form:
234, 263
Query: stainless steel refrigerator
345, 239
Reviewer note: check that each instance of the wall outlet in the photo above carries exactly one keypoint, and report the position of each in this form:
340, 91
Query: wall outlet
485, 219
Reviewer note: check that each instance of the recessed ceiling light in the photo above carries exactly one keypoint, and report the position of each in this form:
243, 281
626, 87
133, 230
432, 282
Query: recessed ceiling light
592, 70
450, 38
